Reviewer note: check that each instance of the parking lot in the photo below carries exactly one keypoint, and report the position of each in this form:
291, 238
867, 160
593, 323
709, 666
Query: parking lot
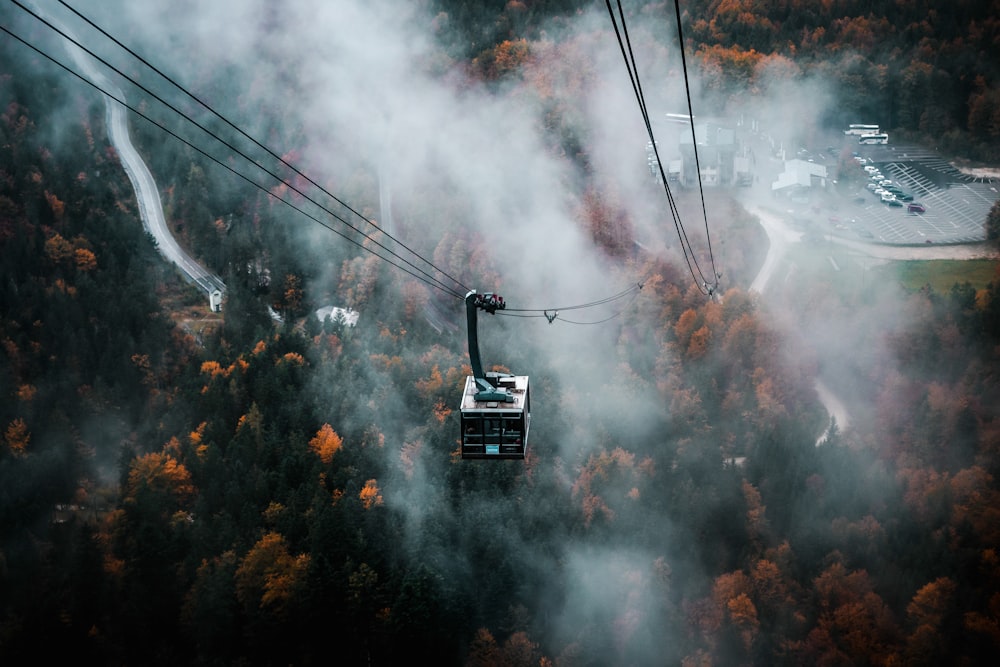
956, 204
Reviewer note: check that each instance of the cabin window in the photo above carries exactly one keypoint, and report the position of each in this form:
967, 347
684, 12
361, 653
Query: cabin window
472, 429
491, 427
512, 429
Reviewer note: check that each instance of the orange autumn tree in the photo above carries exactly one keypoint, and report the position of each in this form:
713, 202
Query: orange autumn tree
160, 475
58, 250
269, 578
85, 259
930, 608
58, 206
483, 651
17, 437
291, 294
504, 58
854, 623
326, 443
370, 494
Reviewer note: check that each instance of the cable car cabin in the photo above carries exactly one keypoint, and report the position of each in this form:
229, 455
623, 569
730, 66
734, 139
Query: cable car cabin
496, 429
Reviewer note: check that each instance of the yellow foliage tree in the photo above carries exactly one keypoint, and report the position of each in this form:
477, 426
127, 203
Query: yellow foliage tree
326, 443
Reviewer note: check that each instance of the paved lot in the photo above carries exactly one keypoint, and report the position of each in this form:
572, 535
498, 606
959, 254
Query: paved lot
957, 204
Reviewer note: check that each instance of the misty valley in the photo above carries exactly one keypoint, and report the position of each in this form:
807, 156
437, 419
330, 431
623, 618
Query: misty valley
263, 404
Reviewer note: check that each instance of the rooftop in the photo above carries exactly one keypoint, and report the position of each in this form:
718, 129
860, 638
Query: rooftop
517, 384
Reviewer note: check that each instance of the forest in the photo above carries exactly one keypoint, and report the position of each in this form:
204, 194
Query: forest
259, 487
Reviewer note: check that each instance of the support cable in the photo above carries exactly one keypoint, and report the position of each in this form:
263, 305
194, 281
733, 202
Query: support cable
260, 145
694, 141
694, 268
432, 282
550, 313
246, 157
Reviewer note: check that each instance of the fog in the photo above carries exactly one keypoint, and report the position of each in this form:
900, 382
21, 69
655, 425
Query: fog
362, 89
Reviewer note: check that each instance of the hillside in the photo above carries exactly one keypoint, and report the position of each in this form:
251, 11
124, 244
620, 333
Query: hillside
246, 490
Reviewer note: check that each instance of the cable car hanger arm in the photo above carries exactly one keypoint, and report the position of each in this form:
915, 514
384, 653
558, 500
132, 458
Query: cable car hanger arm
491, 303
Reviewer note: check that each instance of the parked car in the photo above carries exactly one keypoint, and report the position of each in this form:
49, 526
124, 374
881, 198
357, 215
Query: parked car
915, 207
887, 197
894, 202
904, 197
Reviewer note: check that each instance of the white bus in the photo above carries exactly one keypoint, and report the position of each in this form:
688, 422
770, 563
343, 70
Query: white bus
874, 138
862, 129
685, 119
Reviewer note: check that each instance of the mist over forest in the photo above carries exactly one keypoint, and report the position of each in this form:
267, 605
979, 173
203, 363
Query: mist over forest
262, 486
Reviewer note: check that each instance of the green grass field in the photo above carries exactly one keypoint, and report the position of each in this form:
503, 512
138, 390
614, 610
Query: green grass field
851, 273
941, 274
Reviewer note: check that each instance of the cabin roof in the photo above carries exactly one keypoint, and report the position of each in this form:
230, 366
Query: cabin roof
517, 384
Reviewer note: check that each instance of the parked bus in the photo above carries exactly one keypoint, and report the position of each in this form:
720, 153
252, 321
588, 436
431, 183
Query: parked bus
862, 129
873, 139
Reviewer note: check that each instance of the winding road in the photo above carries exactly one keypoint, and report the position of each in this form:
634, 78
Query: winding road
146, 193
781, 237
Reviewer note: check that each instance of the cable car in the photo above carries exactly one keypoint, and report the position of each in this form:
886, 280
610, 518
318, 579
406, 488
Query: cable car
496, 407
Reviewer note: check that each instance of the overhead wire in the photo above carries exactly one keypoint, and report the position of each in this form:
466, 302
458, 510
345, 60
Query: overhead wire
426, 278
552, 314
687, 249
601, 321
257, 143
694, 140
430, 279
615, 297
223, 164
